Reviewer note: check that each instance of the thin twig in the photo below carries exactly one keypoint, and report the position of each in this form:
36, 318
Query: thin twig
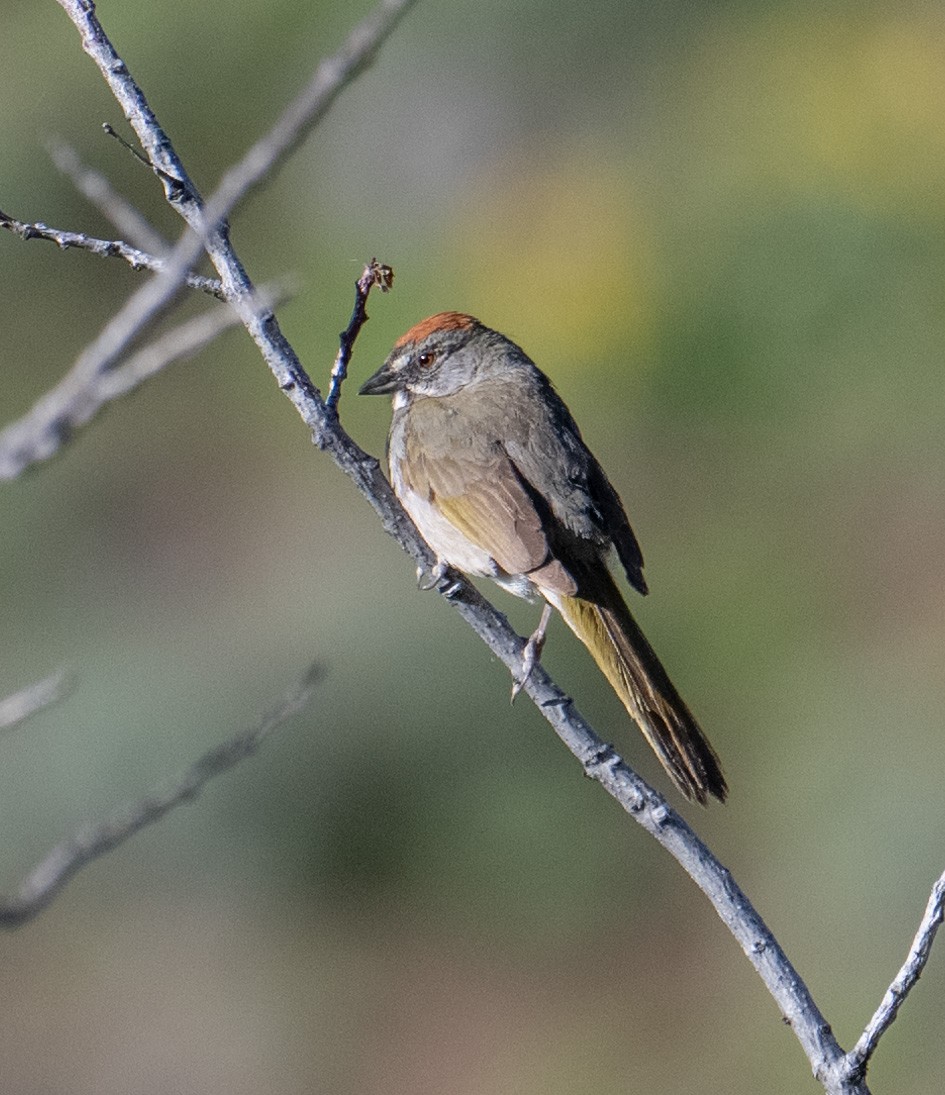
112, 249
904, 981
51, 874
19, 706
97, 189
172, 181
375, 273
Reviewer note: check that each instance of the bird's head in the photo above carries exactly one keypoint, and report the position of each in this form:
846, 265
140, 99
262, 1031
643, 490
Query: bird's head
441, 356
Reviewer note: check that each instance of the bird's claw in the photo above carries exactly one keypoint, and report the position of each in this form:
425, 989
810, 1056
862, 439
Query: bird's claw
427, 580
530, 655
431, 579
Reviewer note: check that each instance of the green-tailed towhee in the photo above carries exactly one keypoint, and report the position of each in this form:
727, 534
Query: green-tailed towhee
491, 467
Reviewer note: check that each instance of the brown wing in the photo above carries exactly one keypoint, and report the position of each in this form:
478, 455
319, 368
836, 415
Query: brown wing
489, 504
490, 514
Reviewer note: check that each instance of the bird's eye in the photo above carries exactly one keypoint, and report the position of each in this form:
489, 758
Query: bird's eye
426, 358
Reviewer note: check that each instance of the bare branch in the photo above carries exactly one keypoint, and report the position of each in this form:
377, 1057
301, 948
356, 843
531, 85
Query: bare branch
650, 810
118, 249
92, 841
97, 189
42, 432
331, 77
375, 273
19, 706
904, 981
48, 430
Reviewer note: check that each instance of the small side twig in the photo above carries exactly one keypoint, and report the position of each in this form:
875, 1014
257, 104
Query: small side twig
136, 259
55, 870
172, 182
375, 273
19, 706
98, 190
904, 981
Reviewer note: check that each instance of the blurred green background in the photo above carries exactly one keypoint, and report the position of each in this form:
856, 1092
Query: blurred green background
720, 228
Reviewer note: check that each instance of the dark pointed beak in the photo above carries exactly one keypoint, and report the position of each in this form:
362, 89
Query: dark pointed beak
381, 383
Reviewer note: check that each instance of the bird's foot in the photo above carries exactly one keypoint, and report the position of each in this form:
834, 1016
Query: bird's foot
430, 579
532, 652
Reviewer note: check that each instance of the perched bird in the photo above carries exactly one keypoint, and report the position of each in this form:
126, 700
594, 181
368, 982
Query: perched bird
491, 467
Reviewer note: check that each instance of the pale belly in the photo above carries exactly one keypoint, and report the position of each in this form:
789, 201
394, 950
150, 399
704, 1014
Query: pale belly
453, 548
449, 544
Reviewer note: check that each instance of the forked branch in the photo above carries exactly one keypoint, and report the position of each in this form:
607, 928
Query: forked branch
904, 981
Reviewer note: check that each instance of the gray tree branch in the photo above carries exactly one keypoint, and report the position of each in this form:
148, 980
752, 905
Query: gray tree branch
904, 981
113, 249
178, 344
82, 393
41, 433
49, 876
16, 708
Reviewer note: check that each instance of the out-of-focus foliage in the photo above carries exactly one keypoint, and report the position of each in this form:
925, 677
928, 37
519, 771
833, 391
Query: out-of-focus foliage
720, 229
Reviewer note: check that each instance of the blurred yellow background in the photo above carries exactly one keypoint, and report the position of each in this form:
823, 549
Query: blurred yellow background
721, 230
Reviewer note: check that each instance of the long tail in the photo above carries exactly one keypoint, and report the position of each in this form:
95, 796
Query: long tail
627, 660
